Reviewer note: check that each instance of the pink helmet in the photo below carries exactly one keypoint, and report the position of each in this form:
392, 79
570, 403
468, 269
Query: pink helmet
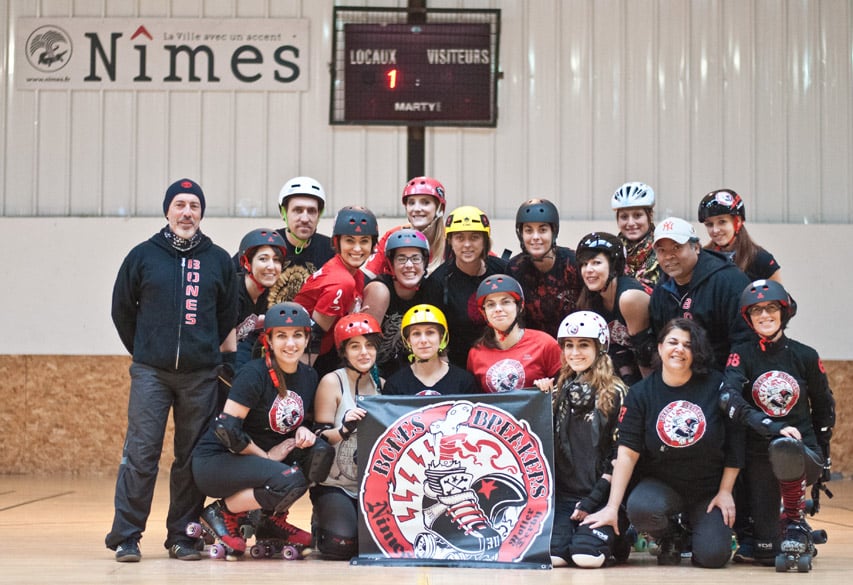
425, 186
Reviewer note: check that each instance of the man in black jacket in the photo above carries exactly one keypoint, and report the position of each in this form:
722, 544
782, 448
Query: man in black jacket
703, 286
174, 303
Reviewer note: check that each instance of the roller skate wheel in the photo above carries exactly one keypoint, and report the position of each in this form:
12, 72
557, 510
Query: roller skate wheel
641, 544
804, 563
257, 551
820, 536
424, 545
653, 547
289, 553
781, 563
217, 551
193, 530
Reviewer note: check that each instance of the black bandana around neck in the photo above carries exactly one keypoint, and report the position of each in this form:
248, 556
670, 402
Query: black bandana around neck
179, 243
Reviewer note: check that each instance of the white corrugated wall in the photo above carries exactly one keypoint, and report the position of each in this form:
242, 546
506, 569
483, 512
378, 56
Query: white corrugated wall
685, 95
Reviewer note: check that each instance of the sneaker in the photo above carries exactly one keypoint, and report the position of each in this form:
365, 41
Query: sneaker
128, 551
745, 552
184, 552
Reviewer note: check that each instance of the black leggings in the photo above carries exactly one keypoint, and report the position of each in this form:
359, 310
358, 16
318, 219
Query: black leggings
224, 474
335, 521
652, 506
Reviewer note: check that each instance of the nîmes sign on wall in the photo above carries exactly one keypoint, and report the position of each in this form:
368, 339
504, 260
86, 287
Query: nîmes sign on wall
134, 53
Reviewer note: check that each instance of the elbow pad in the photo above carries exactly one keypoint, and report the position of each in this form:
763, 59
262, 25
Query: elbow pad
317, 334
229, 430
738, 410
645, 347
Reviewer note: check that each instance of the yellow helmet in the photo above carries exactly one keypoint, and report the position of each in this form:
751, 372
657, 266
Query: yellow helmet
425, 314
467, 219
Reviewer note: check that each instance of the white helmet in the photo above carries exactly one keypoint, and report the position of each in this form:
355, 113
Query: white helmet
585, 324
302, 186
633, 194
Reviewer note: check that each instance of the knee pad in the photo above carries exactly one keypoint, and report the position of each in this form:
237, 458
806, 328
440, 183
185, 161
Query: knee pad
336, 546
787, 458
588, 561
590, 547
318, 461
282, 490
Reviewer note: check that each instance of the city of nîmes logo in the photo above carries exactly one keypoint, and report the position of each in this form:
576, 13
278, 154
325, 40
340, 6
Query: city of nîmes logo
48, 48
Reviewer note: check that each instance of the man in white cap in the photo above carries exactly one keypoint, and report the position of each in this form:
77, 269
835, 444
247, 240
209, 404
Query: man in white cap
703, 286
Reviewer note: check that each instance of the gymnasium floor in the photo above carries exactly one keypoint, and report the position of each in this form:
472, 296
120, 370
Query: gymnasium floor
52, 532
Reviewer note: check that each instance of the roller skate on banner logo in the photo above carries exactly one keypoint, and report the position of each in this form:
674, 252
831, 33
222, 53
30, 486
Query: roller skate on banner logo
456, 481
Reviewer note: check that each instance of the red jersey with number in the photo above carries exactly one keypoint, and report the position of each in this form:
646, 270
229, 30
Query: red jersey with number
332, 291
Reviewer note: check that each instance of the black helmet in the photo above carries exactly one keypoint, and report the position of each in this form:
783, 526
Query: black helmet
721, 202
355, 221
499, 283
601, 242
538, 211
261, 237
287, 314
762, 291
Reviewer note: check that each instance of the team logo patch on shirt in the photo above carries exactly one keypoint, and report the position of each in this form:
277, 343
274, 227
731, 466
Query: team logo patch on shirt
505, 375
775, 393
286, 413
681, 424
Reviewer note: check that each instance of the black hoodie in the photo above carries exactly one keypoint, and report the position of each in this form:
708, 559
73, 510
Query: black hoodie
712, 300
173, 309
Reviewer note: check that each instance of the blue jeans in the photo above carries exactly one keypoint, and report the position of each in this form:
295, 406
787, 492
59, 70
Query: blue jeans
153, 392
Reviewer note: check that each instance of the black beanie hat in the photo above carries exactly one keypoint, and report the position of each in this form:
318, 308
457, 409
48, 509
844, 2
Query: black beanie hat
183, 186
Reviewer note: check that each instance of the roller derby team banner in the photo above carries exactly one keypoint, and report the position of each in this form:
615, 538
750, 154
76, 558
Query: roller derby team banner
456, 480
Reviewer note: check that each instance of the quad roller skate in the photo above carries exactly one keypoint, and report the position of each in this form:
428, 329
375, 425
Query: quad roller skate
457, 526
222, 528
798, 547
276, 537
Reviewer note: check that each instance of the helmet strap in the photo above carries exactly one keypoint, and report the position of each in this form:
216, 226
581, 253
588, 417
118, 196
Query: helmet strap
251, 277
301, 244
738, 223
502, 335
268, 362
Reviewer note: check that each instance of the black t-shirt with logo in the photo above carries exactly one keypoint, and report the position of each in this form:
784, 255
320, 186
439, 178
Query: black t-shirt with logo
683, 436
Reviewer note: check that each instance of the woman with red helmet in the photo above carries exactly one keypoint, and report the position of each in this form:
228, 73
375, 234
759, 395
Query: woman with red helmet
509, 356
337, 413
622, 300
723, 213
388, 296
424, 200
778, 388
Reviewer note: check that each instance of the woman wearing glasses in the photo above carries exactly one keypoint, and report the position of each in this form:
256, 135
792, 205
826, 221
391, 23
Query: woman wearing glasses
394, 291
778, 388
